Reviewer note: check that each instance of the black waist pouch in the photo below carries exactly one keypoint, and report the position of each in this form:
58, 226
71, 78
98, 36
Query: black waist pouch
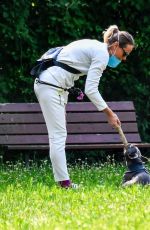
42, 65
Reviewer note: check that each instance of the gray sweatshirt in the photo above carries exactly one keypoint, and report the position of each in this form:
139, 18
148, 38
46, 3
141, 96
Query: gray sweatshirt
90, 57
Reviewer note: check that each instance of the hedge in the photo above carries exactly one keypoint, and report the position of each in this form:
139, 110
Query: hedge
29, 28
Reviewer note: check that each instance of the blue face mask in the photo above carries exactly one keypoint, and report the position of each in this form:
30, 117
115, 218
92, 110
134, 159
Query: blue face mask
113, 61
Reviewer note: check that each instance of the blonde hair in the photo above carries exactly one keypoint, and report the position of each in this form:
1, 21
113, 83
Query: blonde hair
112, 34
108, 33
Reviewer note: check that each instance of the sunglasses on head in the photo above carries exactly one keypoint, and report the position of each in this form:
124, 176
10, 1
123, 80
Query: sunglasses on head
125, 54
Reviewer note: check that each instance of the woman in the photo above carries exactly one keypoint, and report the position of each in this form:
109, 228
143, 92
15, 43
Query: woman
90, 57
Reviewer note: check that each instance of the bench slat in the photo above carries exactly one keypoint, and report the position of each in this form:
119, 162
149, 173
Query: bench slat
98, 117
88, 106
101, 138
71, 117
79, 147
71, 139
78, 106
100, 128
71, 128
82, 146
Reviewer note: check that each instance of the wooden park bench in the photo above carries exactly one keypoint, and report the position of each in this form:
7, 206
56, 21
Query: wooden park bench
22, 126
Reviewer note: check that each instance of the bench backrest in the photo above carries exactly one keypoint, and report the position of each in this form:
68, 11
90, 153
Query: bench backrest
23, 124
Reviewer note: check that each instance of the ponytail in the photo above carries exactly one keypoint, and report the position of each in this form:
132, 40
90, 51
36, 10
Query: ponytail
109, 33
112, 34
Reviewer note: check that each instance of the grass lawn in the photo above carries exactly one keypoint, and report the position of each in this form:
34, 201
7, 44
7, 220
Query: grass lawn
29, 199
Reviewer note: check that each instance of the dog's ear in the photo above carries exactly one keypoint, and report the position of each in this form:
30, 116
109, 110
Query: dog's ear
127, 149
138, 152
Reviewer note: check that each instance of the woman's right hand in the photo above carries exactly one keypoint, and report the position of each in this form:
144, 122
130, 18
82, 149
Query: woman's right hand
112, 118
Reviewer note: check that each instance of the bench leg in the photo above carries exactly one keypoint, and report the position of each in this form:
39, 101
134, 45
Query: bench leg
27, 160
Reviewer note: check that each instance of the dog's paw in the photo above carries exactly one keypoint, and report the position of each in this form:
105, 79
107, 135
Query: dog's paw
133, 181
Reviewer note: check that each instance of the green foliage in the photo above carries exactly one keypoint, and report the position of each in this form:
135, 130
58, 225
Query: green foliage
29, 28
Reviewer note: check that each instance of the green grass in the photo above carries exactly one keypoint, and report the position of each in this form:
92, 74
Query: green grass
29, 199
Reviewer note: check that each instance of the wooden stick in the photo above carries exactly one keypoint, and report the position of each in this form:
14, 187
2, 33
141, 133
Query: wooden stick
122, 136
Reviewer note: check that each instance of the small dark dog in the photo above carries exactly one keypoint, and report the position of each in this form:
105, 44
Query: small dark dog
137, 173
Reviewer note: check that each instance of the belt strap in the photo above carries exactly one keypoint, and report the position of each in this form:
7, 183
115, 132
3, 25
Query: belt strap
75, 91
46, 83
66, 67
